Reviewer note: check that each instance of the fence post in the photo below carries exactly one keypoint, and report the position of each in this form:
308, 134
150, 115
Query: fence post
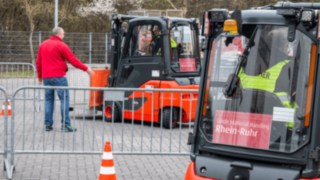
90, 47
106, 49
40, 40
8, 149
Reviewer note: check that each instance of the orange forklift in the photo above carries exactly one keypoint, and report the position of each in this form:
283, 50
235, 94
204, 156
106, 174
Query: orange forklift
153, 53
258, 116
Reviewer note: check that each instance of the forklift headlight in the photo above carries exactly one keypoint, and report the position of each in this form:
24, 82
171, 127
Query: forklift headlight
307, 16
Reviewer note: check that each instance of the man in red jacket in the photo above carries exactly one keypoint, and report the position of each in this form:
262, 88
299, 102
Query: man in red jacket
51, 64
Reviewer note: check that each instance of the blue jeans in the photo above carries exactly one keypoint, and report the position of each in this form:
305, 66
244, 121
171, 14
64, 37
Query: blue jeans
49, 100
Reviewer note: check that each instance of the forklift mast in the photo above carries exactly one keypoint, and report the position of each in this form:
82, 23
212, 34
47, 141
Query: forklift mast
258, 110
119, 28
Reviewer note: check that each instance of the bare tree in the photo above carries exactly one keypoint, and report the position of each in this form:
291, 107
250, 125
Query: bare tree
163, 4
172, 5
96, 7
123, 6
31, 8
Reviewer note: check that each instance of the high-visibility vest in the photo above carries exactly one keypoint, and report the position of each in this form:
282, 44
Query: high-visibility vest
267, 81
173, 43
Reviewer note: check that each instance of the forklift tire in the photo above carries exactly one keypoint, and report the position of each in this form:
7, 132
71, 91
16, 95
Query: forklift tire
167, 122
112, 109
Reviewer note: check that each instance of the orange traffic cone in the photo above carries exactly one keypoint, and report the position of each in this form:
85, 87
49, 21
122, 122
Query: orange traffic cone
3, 109
9, 108
107, 171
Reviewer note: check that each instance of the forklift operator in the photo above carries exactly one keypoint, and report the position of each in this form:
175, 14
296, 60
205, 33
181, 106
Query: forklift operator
273, 69
156, 41
155, 44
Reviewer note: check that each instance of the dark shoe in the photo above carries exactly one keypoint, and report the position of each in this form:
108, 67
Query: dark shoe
49, 128
68, 128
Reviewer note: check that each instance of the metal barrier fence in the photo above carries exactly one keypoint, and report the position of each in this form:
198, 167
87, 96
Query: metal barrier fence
88, 47
127, 135
17, 74
6, 149
3, 119
14, 75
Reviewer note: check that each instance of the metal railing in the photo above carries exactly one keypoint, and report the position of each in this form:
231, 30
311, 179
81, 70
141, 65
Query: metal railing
6, 149
138, 131
17, 74
3, 119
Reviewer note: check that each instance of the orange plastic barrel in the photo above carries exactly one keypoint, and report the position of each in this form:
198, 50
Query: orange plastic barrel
100, 79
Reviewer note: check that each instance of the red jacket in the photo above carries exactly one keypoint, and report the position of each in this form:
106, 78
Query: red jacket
52, 56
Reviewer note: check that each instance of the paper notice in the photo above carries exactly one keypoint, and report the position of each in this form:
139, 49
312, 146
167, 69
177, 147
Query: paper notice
283, 114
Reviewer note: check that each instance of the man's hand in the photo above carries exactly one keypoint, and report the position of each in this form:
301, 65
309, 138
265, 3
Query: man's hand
39, 81
90, 72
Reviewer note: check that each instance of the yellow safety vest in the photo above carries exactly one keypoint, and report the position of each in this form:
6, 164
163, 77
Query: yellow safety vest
267, 81
173, 43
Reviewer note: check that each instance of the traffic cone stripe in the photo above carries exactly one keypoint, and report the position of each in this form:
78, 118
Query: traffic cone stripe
107, 177
107, 163
107, 170
107, 149
107, 155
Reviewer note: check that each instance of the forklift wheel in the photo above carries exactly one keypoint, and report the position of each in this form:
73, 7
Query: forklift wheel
166, 120
111, 110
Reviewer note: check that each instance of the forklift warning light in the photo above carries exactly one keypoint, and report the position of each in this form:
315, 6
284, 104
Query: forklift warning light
230, 26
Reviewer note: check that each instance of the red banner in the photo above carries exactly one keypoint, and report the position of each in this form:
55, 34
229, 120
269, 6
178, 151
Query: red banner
242, 129
187, 64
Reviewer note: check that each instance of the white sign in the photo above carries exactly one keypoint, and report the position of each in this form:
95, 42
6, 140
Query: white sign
283, 114
155, 73
149, 87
